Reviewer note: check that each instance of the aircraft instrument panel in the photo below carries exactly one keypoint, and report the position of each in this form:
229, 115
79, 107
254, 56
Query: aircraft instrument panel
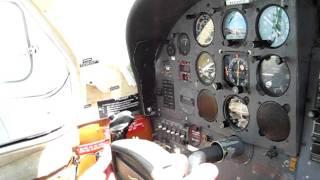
234, 73
237, 68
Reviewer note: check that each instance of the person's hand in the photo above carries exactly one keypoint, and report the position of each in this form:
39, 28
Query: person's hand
204, 171
97, 171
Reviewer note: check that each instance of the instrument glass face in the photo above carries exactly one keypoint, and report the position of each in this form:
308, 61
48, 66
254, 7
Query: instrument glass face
204, 29
206, 68
234, 26
171, 50
274, 76
237, 113
236, 70
184, 44
207, 105
274, 26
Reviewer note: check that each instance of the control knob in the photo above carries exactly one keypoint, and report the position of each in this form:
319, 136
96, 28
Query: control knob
217, 86
238, 89
314, 114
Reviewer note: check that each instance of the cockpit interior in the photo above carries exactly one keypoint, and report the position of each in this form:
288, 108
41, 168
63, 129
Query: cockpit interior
233, 83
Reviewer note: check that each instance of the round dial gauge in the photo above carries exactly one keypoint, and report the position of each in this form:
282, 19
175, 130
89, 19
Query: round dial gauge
234, 26
206, 68
171, 50
204, 29
207, 105
273, 121
236, 112
183, 44
236, 70
274, 76
273, 25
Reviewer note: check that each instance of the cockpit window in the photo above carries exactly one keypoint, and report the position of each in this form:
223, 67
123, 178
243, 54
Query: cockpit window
16, 63
35, 88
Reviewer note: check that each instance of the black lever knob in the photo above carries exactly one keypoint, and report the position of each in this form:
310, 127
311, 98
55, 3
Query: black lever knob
217, 86
224, 124
314, 114
238, 89
228, 43
260, 44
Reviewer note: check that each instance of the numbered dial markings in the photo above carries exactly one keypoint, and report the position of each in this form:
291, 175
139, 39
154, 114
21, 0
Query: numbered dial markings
234, 26
236, 70
237, 112
273, 26
206, 68
274, 76
204, 30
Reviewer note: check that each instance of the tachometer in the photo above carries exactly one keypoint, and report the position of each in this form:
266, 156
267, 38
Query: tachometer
206, 68
236, 70
234, 26
273, 25
204, 29
274, 76
236, 112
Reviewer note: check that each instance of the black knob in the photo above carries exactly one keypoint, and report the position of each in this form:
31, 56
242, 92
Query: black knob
260, 44
224, 124
186, 125
217, 86
191, 16
238, 89
227, 43
159, 92
314, 114
230, 42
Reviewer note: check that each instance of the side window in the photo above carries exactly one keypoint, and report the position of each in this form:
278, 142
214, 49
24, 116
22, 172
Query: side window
16, 63
35, 85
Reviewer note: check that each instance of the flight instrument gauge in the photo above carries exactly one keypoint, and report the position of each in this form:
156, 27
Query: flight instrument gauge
274, 76
206, 68
234, 26
204, 29
273, 26
207, 105
236, 70
183, 44
171, 49
236, 112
